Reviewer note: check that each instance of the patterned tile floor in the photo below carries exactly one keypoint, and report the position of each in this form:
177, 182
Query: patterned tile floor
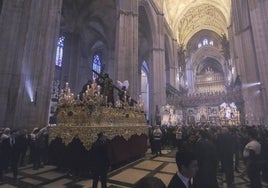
162, 167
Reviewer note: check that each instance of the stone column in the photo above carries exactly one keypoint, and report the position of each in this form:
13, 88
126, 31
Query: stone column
259, 24
28, 33
157, 78
247, 61
126, 45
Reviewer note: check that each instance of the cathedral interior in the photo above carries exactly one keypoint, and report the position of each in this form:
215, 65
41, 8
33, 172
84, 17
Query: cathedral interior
193, 55
185, 62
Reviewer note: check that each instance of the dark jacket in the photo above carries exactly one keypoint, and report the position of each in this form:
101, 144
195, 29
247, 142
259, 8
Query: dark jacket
100, 159
176, 182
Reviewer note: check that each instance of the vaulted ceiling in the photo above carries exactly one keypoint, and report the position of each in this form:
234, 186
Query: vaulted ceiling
187, 17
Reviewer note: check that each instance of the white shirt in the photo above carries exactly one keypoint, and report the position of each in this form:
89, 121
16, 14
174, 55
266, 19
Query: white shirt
184, 179
252, 145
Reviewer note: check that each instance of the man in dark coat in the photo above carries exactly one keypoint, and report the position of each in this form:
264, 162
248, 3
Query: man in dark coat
100, 161
207, 162
187, 165
226, 148
14, 153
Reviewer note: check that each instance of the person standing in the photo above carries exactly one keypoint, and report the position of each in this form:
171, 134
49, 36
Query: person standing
179, 138
187, 169
100, 161
206, 154
4, 152
226, 150
252, 153
14, 153
157, 137
24, 140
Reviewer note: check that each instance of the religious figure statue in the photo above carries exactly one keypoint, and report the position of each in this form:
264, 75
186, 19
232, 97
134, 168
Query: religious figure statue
181, 56
237, 83
123, 93
225, 47
107, 87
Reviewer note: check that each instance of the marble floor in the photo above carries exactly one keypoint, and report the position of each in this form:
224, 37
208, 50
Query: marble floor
163, 167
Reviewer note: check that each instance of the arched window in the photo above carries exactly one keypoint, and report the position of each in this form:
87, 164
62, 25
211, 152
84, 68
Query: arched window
211, 43
59, 52
205, 42
97, 65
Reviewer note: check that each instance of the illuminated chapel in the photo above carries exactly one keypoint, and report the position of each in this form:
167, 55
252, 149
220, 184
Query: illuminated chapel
204, 59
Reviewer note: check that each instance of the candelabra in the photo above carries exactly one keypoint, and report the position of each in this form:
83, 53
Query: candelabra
66, 97
92, 108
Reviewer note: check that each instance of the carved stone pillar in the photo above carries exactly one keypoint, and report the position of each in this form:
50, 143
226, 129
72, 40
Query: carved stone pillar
259, 24
157, 78
126, 46
29, 32
247, 58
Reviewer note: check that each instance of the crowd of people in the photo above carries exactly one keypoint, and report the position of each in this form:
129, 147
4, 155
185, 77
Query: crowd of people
201, 152
14, 146
218, 148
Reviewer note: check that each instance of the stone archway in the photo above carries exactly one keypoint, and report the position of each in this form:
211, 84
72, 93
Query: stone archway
194, 67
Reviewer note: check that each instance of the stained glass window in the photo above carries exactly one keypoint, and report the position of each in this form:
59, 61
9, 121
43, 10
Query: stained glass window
96, 65
59, 52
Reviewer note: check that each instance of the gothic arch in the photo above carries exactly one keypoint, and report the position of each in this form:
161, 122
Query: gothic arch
147, 35
207, 52
202, 55
86, 30
192, 44
145, 38
203, 16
